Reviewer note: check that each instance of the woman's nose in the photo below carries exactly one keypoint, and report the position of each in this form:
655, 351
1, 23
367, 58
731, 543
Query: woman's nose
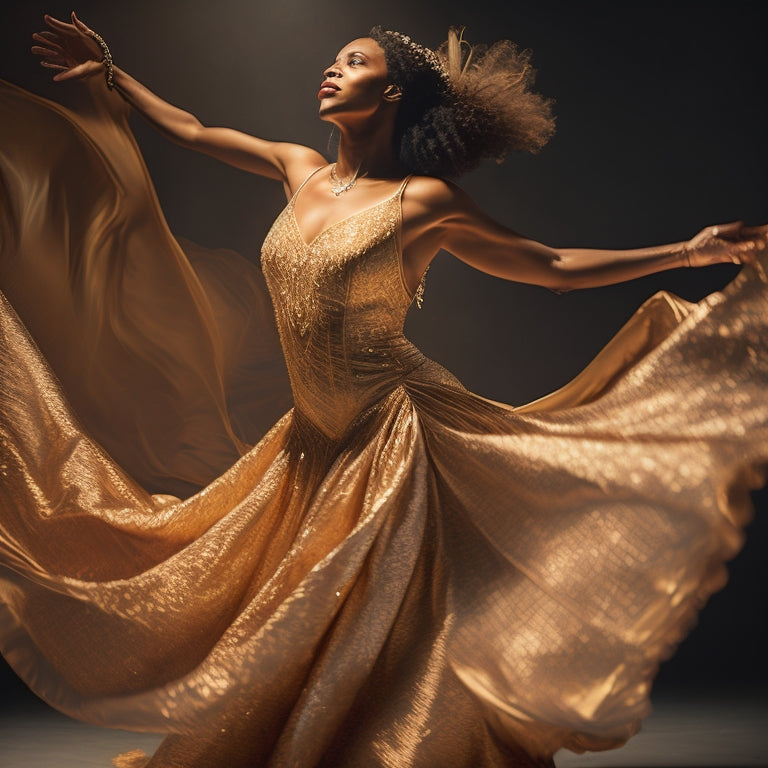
332, 71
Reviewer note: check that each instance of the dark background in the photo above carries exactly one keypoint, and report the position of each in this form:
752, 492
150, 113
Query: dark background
661, 130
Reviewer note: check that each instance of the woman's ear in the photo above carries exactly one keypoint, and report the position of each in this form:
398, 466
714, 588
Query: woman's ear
392, 93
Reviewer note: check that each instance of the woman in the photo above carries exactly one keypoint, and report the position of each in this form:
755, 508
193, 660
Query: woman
400, 572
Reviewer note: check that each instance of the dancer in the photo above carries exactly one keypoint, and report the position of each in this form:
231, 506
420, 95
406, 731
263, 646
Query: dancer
400, 572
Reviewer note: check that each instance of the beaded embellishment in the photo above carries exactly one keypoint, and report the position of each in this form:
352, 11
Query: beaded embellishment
419, 295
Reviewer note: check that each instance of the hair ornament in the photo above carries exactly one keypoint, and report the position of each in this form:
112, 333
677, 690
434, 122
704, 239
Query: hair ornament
420, 55
462, 103
454, 54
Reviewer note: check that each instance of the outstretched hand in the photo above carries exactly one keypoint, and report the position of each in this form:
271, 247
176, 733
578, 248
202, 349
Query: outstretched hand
732, 242
68, 48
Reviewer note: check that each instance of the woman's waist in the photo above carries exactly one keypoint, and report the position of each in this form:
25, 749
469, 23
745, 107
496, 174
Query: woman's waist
349, 359
333, 392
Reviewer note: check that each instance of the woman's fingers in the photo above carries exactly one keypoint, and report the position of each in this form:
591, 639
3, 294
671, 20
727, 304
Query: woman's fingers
750, 242
48, 53
81, 70
80, 26
738, 228
51, 65
754, 233
47, 36
727, 242
732, 230
62, 27
69, 48
48, 45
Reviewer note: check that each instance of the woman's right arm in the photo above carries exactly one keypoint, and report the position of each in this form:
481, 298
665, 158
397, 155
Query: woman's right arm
72, 50
276, 160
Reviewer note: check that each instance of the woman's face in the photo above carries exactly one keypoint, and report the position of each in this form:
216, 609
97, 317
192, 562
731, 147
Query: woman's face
354, 84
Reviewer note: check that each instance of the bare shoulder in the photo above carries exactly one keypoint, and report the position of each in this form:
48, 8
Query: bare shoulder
434, 198
431, 190
298, 162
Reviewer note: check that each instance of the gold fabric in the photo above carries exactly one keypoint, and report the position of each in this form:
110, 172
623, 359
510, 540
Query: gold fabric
400, 573
120, 309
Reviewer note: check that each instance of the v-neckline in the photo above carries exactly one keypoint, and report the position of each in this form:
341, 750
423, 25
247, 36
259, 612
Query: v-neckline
330, 227
309, 243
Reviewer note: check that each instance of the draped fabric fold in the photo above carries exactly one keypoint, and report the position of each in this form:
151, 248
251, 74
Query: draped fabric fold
167, 351
399, 572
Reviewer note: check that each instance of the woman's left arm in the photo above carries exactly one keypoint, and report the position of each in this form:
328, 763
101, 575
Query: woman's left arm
475, 238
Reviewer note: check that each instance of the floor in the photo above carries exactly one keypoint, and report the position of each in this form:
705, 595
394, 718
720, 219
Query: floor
684, 733
690, 733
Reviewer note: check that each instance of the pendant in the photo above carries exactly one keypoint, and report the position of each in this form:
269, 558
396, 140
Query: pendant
339, 187
342, 188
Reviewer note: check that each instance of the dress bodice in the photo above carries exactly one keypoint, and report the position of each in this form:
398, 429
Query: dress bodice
341, 302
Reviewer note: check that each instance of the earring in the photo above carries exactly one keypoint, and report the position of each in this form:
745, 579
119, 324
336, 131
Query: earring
393, 93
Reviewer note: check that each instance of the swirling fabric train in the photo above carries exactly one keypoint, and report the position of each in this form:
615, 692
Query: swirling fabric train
400, 573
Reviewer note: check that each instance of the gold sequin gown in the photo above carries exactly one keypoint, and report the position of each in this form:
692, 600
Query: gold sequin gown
400, 573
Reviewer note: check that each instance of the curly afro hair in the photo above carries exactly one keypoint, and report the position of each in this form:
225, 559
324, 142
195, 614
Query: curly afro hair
451, 118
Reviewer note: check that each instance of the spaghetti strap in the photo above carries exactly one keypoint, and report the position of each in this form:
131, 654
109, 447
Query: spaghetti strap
303, 183
418, 294
403, 184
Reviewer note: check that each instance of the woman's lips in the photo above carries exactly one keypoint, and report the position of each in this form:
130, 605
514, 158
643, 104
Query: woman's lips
327, 89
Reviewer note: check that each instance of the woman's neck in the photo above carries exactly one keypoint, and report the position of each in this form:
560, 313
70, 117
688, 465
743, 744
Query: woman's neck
367, 152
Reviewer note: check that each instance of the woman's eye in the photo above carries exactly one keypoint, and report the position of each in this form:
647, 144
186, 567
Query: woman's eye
355, 61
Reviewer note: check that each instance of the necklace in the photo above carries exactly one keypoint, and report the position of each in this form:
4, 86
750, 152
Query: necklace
339, 187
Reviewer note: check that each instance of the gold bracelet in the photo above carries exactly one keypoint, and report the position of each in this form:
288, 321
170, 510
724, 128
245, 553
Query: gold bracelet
109, 72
